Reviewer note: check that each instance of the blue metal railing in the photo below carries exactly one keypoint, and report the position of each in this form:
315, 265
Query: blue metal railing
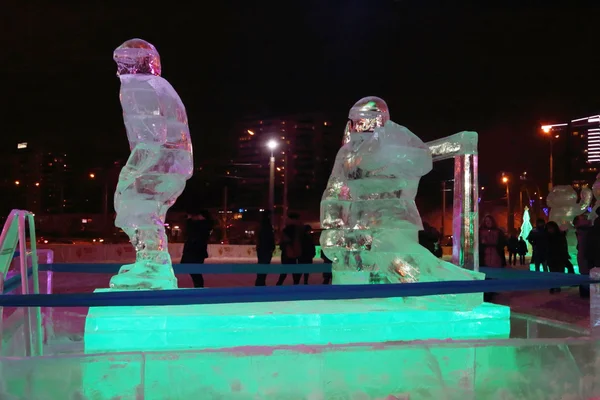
501, 280
93, 268
13, 283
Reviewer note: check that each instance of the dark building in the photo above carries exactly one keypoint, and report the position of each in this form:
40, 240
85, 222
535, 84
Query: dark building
576, 150
37, 179
306, 147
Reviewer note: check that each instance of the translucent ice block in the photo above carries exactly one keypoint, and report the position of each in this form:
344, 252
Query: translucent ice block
492, 370
484, 368
110, 329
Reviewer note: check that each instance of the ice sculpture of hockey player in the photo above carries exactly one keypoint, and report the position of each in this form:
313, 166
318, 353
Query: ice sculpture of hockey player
156, 172
564, 207
563, 204
369, 213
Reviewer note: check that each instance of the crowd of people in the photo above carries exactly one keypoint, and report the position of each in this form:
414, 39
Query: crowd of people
296, 246
549, 246
550, 252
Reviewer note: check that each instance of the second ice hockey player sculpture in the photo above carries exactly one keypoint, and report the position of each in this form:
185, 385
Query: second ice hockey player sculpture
369, 211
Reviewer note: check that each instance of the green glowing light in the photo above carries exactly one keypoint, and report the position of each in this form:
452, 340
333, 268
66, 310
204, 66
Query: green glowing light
261, 326
160, 328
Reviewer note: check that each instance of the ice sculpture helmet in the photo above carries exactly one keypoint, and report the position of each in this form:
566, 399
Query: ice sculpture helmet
365, 115
136, 56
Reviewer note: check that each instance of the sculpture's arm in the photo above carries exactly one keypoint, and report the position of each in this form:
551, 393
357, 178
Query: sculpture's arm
143, 112
142, 158
145, 122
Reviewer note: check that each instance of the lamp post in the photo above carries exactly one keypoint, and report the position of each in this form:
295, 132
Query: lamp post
104, 200
547, 129
285, 191
272, 145
523, 188
509, 221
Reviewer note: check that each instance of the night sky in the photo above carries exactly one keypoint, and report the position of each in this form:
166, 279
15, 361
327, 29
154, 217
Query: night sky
498, 69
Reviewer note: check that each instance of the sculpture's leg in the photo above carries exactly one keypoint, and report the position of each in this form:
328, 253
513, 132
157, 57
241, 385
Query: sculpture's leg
348, 271
152, 268
141, 216
465, 217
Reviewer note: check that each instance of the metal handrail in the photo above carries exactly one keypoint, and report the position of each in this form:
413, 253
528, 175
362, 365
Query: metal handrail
14, 233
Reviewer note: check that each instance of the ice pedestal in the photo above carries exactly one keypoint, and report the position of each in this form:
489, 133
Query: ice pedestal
260, 327
369, 372
490, 370
315, 322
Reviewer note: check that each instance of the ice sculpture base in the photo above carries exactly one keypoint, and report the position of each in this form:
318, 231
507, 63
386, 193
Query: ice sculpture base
256, 329
211, 326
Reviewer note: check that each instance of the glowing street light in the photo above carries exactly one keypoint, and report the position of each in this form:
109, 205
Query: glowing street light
251, 133
547, 129
509, 224
17, 183
92, 176
272, 144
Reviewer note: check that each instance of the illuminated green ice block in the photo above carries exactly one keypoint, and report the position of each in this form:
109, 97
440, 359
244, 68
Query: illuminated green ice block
173, 329
425, 371
315, 322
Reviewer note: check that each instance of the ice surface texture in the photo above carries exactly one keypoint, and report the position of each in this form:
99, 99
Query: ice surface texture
160, 163
563, 204
596, 192
369, 211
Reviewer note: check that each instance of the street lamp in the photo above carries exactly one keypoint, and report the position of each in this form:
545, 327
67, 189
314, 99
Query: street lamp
551, 183
92, 175
509, 221
547, 130
272, 145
